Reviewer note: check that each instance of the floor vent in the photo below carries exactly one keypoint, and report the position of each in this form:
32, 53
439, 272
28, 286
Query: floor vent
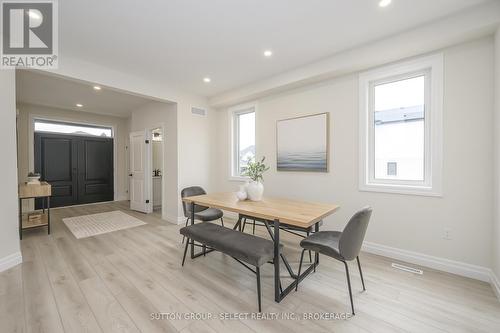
408, 269
198, 111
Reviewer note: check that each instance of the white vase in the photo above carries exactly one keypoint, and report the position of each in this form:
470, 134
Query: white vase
255, 191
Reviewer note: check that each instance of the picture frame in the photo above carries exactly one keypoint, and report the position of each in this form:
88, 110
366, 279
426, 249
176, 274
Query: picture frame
303, 143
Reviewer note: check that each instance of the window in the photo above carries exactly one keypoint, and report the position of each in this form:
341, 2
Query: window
243, 138
400, 128
73, 129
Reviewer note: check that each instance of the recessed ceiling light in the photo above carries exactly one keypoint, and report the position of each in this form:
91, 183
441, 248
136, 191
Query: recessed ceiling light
79, 105
206, 80
268, 53
384, 3
97, 88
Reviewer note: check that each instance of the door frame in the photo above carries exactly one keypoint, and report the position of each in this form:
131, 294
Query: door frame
31, 142
160, 125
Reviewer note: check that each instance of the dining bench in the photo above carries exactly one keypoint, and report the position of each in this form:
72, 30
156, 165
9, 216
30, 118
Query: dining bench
244, 248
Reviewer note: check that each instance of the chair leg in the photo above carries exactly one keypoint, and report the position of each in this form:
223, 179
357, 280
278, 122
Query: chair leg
300, 267
187, 220
244, 224
185, 251
257, 272
222, 221
361, 273
253, 229
349, 285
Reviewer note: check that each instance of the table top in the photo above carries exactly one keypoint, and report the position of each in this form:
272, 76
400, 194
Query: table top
43, 189
292, 212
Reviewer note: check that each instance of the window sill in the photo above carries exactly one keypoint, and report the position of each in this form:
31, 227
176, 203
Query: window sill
239, 179
400, 189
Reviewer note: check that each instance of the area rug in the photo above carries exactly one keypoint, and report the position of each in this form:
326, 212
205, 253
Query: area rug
101, 223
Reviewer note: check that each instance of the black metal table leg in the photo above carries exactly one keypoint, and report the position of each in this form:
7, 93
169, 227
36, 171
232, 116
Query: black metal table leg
238, 223
316, 229
277, 292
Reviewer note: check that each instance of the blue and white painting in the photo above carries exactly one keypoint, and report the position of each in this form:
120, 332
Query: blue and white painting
302, 143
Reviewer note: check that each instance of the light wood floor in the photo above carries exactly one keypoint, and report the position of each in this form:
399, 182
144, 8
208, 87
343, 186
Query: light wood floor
113, 282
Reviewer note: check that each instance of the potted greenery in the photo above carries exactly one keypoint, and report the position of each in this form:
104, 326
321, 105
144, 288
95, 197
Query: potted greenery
254, 171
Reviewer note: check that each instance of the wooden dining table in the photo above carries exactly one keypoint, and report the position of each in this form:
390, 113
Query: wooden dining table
276, 214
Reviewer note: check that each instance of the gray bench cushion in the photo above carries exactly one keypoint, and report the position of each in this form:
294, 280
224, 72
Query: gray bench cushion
253, 250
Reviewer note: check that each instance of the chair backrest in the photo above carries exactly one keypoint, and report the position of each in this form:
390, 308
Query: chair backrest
352, 237
189, 192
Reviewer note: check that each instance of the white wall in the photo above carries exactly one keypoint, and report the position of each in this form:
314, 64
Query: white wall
9, 235
496, 202
414, 223
150, 116
121, 138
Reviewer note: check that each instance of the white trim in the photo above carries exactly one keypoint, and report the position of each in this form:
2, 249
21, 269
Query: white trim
432, 184
10, 261
174, 219
238, 109
495, 284
150, 130
441, 264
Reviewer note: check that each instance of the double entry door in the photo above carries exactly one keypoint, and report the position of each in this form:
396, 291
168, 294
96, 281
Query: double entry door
79, 168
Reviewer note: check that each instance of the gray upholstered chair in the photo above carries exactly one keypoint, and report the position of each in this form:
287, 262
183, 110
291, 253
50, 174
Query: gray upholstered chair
201, 213
343, 246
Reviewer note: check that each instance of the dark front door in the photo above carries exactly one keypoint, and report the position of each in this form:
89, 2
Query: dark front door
80, 169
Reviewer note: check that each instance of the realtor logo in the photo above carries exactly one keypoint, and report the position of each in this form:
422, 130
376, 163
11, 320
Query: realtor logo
29, 34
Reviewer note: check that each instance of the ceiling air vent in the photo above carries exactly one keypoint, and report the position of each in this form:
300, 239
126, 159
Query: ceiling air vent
199, 111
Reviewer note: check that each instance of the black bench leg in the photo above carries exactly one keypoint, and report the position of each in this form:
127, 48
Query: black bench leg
257, 272
222, 221
310, 256
185, 252
253, 229
349, 285
300, 267
244, 225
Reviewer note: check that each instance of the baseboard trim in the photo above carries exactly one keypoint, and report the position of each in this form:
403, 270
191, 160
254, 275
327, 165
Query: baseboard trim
495, 284
174, 219
10, 261
441, 264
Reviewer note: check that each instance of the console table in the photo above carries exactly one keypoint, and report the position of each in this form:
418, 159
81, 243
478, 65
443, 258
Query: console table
32, 191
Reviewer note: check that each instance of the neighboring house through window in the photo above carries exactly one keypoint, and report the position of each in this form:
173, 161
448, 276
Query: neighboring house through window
401, 127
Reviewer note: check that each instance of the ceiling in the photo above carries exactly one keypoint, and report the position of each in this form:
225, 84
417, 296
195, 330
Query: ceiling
43, 89
180, 42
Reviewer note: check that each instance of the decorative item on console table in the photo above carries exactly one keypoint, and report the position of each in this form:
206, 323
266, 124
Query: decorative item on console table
33, 178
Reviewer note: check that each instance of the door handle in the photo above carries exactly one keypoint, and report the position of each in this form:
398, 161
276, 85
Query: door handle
130, 175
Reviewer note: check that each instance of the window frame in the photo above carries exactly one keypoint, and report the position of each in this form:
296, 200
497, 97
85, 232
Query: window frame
432, 69
234, 113
72, 123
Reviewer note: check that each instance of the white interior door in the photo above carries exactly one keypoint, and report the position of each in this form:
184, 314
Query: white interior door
140, 165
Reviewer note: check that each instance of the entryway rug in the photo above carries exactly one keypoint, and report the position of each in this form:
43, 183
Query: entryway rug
101, 223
